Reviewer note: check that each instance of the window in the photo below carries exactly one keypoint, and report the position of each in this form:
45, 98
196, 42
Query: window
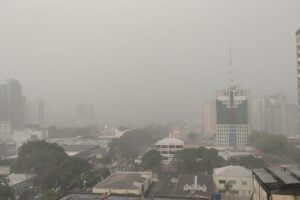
244, 182
222, 181
232, 182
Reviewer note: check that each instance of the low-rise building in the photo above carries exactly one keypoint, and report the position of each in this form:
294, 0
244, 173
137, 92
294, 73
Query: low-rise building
125, 183
182, 186
167, 148
20, 182
238, 179
277, 183
4, 170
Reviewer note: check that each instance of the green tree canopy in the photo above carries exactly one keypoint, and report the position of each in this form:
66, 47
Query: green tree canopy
192, 160
53, 167
151, 160
6, 192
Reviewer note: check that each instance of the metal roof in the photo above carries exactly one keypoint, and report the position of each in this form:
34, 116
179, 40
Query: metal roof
284, 176
264, 176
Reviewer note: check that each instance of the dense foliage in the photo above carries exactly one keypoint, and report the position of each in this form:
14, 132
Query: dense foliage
6, 192
90, 178
151, 160
133, 142
250, 162
275, 144
54, 168
192, 160
49, 195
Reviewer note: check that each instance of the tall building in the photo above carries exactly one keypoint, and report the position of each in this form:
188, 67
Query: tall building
273, 115
35, 112
3, 102
15, 98
232, 118
258, 114
291, 122
209, 118
298, 74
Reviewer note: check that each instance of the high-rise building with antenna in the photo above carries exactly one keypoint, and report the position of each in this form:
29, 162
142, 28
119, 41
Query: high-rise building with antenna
232, 108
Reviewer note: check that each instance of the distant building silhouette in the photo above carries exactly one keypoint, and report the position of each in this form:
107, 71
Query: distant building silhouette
35, 112
298, 74
11, 103
209, 117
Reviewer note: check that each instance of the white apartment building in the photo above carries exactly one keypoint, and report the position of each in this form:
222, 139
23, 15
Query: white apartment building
238, 177
167, 148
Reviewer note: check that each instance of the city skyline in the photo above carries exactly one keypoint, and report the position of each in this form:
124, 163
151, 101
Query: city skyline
170, 60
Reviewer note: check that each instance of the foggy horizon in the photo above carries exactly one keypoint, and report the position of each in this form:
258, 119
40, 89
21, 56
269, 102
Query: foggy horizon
138, 60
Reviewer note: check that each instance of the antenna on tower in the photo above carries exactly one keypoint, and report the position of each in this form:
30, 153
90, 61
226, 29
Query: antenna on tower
230, 71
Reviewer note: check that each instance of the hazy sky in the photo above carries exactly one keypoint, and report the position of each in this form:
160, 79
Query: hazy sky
146, 59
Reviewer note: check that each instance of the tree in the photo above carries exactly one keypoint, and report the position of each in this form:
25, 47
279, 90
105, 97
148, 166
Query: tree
134, 141
192, 160
53, 167
151, 160
6, 192
49, 195
251, 162
90, 178
275, 144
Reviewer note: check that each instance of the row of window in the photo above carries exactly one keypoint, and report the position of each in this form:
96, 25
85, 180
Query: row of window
167, 152
232, 182
169, 146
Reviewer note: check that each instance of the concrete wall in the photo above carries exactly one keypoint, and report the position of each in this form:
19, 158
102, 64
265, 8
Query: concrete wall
238, 186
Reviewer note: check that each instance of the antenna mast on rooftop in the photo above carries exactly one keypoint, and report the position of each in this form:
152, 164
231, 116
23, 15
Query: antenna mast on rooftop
231, 80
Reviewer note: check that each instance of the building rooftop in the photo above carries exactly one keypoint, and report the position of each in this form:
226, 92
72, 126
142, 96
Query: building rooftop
91, 196
81, 196
170, 141
124, 180
279, 180
182, 186
19, 178
233, 171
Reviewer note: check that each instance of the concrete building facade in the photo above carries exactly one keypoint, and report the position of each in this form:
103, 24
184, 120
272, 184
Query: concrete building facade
209, 118
167, 148
232, 118
238, 177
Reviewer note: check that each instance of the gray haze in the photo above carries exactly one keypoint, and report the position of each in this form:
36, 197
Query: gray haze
146, 59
